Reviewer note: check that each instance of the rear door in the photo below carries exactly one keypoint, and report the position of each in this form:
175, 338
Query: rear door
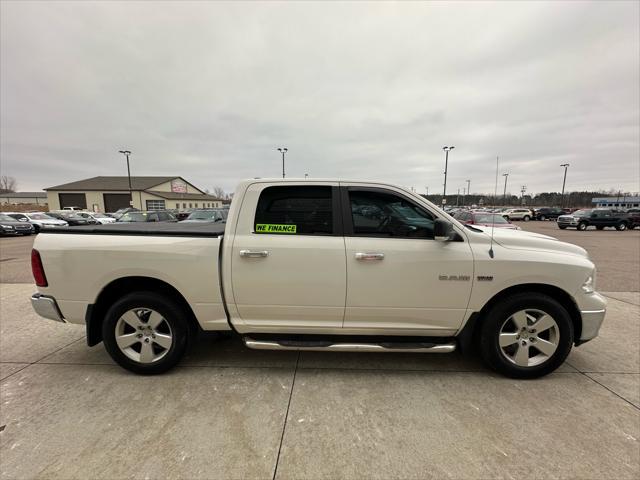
288, 265
398, 277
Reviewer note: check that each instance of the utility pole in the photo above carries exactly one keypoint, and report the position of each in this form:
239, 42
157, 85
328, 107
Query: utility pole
504, 194
283, 150
126, 153
564, 180
446, 168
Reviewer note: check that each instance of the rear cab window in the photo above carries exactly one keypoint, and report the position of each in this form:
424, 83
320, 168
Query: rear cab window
296, 210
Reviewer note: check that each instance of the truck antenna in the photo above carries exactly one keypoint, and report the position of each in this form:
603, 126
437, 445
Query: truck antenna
493, 220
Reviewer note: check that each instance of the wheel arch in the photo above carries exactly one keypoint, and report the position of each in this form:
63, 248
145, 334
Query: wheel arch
468, 334
121, 286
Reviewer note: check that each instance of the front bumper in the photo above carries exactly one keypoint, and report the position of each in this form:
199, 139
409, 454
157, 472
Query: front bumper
592, 316
46, 307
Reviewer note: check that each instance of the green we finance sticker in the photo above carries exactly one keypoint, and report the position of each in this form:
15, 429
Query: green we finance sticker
271, 228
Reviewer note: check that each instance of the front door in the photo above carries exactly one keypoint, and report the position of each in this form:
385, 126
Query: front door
398, 276
288, 260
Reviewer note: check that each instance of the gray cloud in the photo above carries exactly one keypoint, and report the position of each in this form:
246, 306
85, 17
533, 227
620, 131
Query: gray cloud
354, 90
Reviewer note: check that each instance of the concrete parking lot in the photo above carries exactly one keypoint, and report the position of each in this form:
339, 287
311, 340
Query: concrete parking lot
227, 412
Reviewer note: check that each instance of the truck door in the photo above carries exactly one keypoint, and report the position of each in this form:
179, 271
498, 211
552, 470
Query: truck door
288, 259
398, 276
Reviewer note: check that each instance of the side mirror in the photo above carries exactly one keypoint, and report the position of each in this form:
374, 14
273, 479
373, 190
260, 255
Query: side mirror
442, 230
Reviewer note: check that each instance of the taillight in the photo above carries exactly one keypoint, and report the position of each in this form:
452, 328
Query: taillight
37, 269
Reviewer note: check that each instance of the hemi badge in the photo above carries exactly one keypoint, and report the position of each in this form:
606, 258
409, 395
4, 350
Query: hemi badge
485, 278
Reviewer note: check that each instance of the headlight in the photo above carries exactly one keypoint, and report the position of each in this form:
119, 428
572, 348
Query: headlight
8, 227
590, 284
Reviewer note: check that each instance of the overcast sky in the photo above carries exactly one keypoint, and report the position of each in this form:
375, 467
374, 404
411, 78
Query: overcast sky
354, 90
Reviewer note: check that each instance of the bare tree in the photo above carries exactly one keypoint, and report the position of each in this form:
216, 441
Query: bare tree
219, 192
8, 184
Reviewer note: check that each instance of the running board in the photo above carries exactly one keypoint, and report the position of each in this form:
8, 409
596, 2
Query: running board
322, 346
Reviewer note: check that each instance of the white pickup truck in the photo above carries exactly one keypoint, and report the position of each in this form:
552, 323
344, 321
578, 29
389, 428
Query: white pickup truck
322, 265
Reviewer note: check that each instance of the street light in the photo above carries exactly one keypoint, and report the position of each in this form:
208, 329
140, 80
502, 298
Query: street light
504, 194
126, 153
446, 167
564, 180
283, 151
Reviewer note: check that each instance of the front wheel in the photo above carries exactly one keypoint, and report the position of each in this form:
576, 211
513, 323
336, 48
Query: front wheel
562, 227
621, 226
527, 335
526, 218
542, 217
582, 226
145, 333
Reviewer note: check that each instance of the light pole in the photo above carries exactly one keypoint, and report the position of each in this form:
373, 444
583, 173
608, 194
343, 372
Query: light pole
468, 187
564, 181
427, 188
464, 196
522, 190
283, 151
306, 175
446, 167
504, 194
126, 153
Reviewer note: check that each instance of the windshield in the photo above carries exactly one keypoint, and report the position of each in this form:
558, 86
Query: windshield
134, 217
7, 218
489, 218
581, 213
203, 215
39, 216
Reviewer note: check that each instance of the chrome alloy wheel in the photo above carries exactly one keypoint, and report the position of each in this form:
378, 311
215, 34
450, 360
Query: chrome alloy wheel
529, 337
143, 335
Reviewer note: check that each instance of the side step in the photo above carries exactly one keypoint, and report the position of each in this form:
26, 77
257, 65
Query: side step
330, 346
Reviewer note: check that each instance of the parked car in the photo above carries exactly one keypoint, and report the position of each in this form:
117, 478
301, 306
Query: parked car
294, 268
597, 217
101, 218
485, 219
634, 218
209, 215
518, 214
39, 220
72, 218
11, 226
72, 209
150, 216
548, 213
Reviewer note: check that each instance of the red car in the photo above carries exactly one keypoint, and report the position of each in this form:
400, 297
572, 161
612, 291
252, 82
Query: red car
485, 219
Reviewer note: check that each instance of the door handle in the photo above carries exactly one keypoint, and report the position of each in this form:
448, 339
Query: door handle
254, 253
369, 256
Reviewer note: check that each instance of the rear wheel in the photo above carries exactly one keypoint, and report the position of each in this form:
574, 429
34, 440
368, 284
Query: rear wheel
582, 226
145, 333
526, 218
562, 227
527, 335
542, 217
621, 226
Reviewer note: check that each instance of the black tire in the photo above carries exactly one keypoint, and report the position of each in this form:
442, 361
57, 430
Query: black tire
562, 227
36, 228
526, 218
542, 217
498, 315
621, 226
582, 226
173, 314
599, 227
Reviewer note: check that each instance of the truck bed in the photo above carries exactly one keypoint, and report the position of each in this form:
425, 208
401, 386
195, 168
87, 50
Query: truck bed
154, 229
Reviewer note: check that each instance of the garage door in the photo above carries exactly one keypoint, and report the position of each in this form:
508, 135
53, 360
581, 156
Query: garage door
72, 200
115, 201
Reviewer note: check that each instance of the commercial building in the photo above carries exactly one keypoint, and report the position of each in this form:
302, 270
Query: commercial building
15, 198
108, 194
620, 201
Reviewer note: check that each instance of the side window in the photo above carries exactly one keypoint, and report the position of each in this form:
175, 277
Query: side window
153, 217
380, 214
297, 210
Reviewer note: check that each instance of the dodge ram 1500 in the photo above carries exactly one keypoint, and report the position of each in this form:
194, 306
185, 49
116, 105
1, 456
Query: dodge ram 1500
322, 265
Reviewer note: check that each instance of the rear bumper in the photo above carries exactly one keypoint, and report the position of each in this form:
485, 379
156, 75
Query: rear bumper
46, 307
